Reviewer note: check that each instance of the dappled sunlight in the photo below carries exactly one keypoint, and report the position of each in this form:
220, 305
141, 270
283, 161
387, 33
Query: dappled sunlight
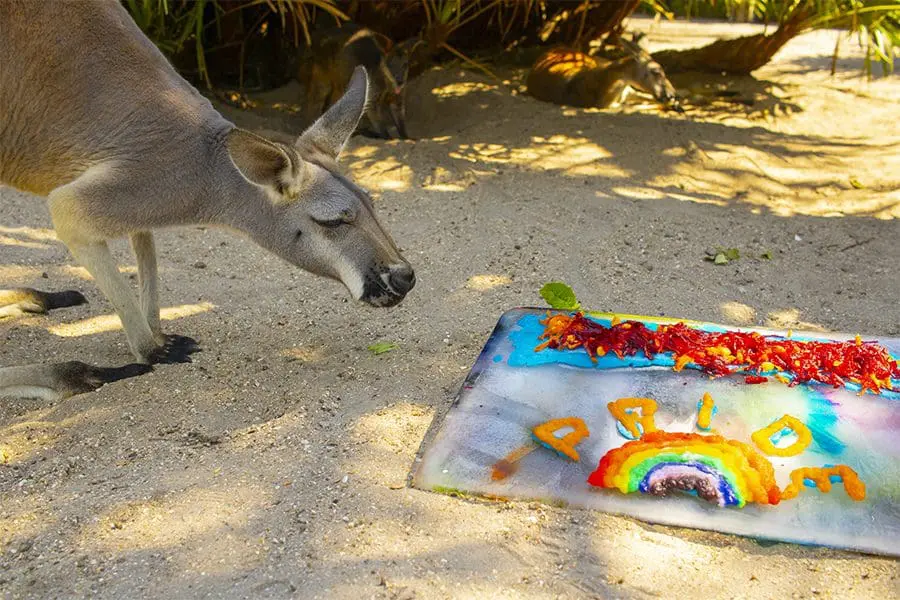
680, 562
737, 313
25, 273
20, 527
394, 432
446, 180
462, 88
576, 156
10, 241
635, 554
648, 193
104, 323
785, 177
82, 273
204, 528
368, 151
483, 283
302, 354
386, 174
789, 318
21, 441
18, 272
36, 234
27, 237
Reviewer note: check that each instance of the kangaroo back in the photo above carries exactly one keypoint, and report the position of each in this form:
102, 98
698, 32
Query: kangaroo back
569, 77
326, 67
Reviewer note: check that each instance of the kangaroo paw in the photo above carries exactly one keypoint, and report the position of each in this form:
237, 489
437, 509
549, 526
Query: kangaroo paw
175, 349
64, 299
78, 378
26, 300
60, 380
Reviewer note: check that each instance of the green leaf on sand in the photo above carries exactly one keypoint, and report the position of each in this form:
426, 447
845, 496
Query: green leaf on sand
560, 296
382, 347
722, 256
766, 255
856, 183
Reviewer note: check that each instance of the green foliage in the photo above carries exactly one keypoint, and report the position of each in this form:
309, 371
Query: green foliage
723, 256
456, 28
382, 347
875, 23
172, 24
560, 296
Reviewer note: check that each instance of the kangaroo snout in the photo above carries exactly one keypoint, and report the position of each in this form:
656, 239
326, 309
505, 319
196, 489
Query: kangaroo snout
390, 286
402, 278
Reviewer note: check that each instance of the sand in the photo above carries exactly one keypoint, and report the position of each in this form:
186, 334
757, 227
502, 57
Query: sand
275, 465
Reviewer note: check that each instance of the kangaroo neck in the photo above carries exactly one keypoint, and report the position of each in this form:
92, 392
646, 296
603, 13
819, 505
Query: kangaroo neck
620, 70
231, 201
610, 79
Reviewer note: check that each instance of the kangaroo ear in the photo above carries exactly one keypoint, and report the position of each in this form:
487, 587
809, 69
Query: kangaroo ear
329, 134
258, 159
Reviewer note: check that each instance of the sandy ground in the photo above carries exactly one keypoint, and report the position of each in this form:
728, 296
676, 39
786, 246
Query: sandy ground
275, 465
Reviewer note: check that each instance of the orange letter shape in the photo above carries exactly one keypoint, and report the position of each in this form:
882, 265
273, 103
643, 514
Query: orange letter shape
855, 488
705, 416
566, 444
630, 419
762, 437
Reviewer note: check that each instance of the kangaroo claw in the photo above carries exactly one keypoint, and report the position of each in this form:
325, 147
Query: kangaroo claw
175, 349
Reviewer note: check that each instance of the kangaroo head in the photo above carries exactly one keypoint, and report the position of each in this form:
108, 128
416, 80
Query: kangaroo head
651, 78
648, 76
317, 218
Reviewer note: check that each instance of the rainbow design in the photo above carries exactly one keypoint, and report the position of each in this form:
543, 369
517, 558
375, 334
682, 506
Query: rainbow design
726, 472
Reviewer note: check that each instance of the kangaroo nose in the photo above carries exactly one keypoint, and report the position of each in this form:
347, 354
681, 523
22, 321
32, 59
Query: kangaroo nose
402, 278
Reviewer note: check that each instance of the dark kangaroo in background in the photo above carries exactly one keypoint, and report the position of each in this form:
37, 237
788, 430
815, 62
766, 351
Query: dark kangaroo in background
326, 66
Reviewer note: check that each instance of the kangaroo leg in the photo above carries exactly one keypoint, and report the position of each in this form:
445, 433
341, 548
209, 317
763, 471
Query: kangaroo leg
97, 259
145, 252
61, 380
17, 302
146, 347
70, 208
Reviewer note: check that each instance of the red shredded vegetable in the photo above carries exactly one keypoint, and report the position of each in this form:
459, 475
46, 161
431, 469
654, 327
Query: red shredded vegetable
866, 364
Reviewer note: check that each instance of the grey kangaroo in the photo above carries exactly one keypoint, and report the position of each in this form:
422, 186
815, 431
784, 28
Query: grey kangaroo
94, 118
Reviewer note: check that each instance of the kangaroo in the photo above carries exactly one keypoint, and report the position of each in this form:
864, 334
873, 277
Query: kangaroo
17, 302
326, 67
100, 124
573, 78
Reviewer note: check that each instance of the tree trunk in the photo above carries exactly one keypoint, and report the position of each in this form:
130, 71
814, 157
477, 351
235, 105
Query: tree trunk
739, 56
608, 17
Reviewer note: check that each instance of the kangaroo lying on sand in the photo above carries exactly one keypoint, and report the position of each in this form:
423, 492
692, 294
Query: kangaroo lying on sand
326, 67
99, 122
573, 78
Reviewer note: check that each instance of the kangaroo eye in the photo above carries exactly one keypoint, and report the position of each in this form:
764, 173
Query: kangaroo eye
331, 223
